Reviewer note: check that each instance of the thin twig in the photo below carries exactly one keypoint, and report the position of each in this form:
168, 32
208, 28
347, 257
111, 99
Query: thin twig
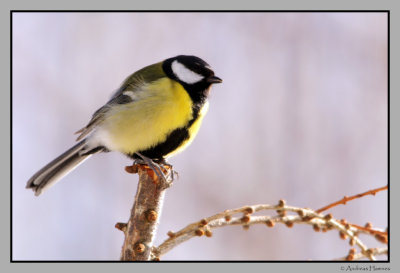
370, 230
345, 199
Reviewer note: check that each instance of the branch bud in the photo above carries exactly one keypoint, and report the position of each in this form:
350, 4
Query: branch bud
289, 224
328, 217
350, 257
249, 210
368, 225
139, 248
121, 226
151, 215
301, 213
269, 223
203, 222
245, 219
281, 203
199, 232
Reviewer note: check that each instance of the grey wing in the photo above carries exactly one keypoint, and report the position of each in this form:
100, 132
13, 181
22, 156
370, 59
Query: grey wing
97, 118
121, 96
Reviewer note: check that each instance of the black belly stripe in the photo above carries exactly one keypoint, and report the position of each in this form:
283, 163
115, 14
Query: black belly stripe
174, 140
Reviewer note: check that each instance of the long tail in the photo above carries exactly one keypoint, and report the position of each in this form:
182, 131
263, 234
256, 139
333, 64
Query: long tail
58, 168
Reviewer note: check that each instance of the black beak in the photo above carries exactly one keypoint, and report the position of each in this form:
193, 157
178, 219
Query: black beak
214, 79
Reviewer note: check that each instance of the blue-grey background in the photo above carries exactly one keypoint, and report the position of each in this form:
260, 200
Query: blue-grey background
301, 116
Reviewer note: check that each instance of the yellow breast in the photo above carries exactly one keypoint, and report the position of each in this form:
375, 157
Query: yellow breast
158, 109
192, 131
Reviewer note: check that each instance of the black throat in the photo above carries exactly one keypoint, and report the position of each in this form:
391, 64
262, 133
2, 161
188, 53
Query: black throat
198, 92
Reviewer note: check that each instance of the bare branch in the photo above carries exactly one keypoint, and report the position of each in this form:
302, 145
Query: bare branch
141, 228
345, 199
246, 219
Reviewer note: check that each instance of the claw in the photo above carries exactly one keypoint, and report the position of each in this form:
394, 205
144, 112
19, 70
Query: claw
160, 169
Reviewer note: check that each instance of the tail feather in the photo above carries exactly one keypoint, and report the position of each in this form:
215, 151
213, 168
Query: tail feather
58, 168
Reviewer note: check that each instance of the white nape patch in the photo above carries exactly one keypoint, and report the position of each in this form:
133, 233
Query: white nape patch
130, 94
184, 74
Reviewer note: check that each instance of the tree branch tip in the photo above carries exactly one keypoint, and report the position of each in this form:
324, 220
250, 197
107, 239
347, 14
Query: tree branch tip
316, 227
345, 199
208, 233
132, 169
381, 238
121, 226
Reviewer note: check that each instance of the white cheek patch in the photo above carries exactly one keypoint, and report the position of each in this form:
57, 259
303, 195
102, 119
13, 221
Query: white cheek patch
184, 74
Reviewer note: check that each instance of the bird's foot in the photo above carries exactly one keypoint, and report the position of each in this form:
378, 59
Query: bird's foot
161, 169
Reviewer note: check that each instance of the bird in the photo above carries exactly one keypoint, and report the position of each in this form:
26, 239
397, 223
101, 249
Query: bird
153, 115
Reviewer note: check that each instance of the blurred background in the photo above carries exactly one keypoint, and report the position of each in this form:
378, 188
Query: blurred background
301, 116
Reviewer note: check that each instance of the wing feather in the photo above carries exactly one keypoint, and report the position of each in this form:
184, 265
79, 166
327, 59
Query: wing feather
124, 95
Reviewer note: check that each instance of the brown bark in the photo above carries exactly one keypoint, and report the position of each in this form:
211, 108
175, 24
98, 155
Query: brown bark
141, 228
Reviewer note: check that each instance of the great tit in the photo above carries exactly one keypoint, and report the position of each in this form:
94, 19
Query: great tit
155, 114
